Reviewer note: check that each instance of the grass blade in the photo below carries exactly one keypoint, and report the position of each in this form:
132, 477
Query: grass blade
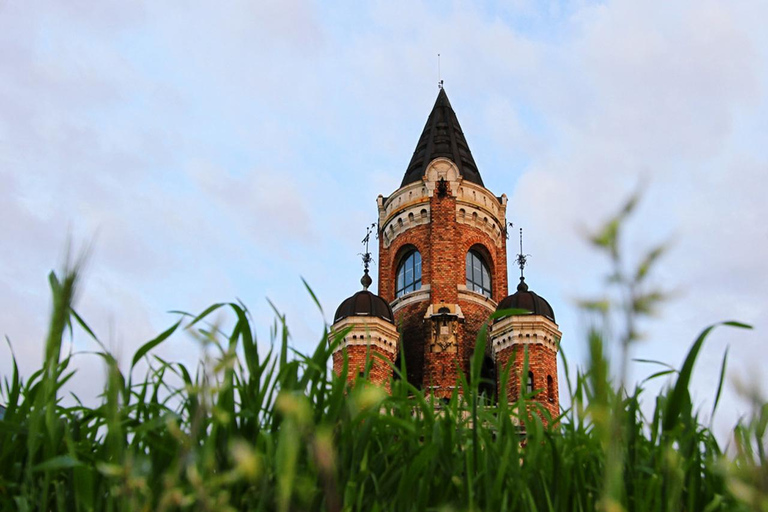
153, 343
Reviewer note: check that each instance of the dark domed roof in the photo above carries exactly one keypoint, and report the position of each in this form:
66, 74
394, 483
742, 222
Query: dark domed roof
525, 299
364, 303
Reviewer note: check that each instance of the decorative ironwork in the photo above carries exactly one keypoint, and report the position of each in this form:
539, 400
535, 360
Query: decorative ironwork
506, 231
442, 187
367, 258
521, 259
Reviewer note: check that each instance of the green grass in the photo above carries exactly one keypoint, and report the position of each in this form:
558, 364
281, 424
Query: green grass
244, 431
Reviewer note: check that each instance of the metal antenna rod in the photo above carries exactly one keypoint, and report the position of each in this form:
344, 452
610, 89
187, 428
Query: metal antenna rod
439, 76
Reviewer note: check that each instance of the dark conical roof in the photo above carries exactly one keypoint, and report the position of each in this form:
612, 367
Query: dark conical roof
526, 299
442, 136
364, 303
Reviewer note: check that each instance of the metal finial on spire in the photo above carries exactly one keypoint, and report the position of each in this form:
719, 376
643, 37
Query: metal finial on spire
367, 259
439, 76
522, 258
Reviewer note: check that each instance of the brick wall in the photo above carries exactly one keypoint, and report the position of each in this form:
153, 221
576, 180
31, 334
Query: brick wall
414, 330
444, 263
358, 356
542, 361
474, 317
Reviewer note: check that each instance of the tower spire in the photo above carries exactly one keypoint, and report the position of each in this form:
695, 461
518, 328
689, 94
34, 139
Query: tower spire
442, 137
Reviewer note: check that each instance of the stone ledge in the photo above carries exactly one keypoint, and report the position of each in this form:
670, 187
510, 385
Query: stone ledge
419, 295
478, 298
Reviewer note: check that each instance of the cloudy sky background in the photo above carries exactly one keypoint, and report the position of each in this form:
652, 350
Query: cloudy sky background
213, 152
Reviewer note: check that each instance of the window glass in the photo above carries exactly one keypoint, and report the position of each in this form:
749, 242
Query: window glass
478, 275
469, 266
408, 274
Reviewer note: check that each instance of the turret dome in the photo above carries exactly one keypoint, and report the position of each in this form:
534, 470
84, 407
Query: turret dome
364, 303
523, 298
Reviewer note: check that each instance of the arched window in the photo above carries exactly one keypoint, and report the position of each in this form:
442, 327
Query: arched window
478, 276
408, 274
550, 389
529, 387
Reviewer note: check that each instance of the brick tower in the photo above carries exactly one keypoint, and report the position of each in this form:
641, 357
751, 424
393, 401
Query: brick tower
442, 254
443, 264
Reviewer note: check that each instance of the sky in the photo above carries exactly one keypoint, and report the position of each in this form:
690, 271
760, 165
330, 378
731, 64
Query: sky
216, 151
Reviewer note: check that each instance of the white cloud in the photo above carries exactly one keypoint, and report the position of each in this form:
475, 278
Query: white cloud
224, 151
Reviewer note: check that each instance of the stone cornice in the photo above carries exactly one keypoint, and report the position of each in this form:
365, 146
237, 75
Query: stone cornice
409, 206
523, 330
476, 217
367, 331
402, 219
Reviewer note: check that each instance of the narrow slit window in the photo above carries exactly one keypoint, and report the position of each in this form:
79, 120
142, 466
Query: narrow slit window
550, 389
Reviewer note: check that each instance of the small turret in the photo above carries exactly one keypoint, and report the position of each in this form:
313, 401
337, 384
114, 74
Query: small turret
533, 333
371, 325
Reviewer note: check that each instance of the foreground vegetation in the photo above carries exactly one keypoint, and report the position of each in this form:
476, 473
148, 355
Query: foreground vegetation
244, 431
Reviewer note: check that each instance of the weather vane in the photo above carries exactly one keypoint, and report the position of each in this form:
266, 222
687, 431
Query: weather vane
522, 259
367, 259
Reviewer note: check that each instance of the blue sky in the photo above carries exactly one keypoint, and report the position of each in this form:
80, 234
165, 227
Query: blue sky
213, 152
